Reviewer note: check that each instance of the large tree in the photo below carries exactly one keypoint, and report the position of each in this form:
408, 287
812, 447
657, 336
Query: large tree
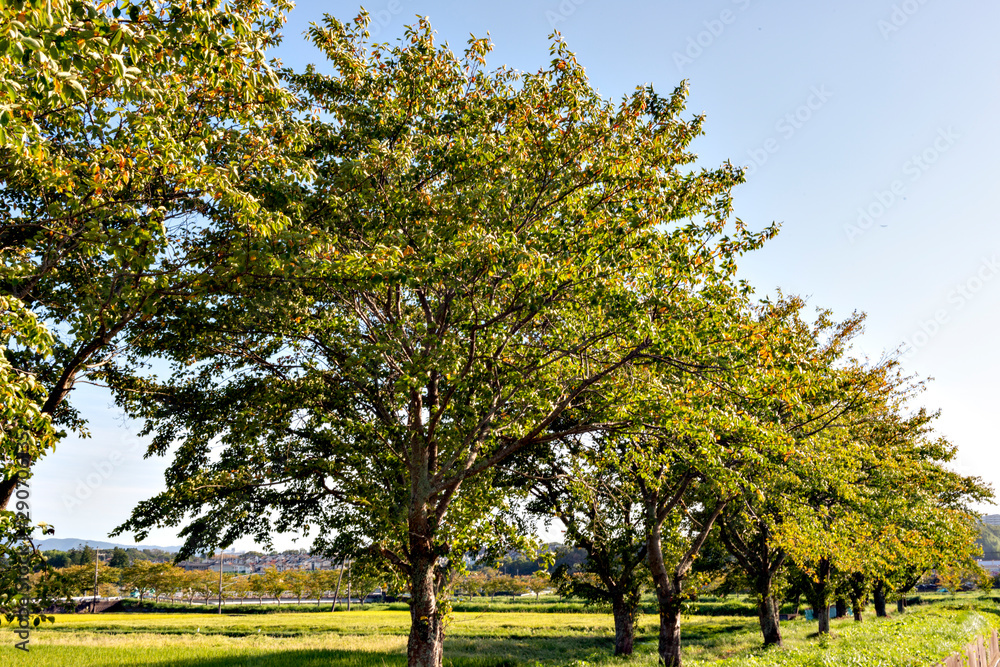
480, 251
126, 129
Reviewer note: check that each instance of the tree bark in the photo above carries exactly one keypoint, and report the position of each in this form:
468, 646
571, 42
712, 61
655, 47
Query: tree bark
823, 619
856, 607
425, 645
670, 632
669, 647
841, 607
878, 595
767, 611
901, 604
624, 614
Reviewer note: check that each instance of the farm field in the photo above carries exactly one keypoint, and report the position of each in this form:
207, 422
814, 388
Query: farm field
482, 639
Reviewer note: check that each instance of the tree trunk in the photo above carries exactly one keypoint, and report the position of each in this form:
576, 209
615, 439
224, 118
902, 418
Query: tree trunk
819, 596
856, 607
823, 619
878, 595
670, 632
901, 604
668, 601
767, 612
624, 614
425, 645
841, 607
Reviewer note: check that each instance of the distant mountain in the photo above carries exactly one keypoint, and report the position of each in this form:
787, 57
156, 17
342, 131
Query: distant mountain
67, 543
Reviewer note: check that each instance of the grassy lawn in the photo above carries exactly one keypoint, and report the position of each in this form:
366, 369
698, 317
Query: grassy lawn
377, 638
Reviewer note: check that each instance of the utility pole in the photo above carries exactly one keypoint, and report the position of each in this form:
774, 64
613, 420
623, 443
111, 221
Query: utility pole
336, 594
97, 560
222, 556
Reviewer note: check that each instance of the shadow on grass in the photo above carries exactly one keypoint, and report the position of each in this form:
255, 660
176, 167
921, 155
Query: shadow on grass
325, 658
459, 652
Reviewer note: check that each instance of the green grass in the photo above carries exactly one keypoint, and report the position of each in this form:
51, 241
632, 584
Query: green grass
488, 639
919, 638
710, 606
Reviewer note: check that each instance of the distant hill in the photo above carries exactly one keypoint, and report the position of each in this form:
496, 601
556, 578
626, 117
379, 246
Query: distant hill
67, 543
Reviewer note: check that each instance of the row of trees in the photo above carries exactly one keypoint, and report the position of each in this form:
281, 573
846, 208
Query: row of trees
164, 580
491, 583
413, 305
827, 487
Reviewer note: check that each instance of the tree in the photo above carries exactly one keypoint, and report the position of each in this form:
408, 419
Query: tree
538, 582
274, 583
118, 558
686, 440
469, 583
143, 577
258, 587
813, 398
207, 583
239, 586
297, 582
56, 559
78, 580
25, 432
478, 252
120, 124
597, 507
317, 584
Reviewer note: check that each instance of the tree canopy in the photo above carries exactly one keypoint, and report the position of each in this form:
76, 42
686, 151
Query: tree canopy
403, 293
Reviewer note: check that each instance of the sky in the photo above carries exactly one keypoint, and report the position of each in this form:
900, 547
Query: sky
869, 132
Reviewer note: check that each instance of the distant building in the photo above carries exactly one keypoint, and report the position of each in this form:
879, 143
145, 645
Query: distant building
991, 566
992, 519
192, 565
236, 568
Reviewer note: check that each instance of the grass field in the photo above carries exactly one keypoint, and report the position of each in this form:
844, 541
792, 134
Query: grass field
377, 638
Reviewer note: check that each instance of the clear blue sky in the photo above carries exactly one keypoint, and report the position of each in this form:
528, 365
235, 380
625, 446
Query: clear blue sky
871, 129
